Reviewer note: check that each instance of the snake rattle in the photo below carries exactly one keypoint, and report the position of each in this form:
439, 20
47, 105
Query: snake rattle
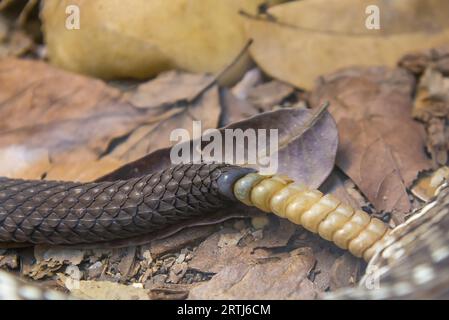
70, 213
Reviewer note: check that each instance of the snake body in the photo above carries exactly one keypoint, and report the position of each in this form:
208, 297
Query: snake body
71, 213
67, 213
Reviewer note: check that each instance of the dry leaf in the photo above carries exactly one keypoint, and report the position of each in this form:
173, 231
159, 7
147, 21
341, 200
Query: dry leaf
335, 185
301, 40
169, 88
269, 94
283, 279
78, 120
229, 246
212, 258
141, 38
345, 272
381, 147
308, 142
68, 115
182, 100
235, 109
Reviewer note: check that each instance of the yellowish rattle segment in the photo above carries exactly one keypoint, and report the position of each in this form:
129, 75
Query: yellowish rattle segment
244, 186
283, 197
264, 190
349, 229
300, 204
373, 232
318, 212
368, 254
334, 221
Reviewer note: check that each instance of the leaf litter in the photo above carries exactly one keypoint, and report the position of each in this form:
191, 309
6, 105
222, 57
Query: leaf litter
233, 258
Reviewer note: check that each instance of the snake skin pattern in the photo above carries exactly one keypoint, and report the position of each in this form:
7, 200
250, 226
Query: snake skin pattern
64, 213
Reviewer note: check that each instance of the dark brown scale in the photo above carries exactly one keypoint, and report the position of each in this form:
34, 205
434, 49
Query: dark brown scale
75, 213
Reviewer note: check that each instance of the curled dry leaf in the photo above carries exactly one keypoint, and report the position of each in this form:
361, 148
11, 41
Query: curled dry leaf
301, 40
370, 105
308, 141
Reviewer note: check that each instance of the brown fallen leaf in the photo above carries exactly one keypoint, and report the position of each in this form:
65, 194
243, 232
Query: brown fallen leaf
381, 147
234, 108
301, 40
267, 95
178, 110
278, 279
211, 258
39, 110
169, 88
345, 272
276, 235
335, 185
78, 120
229, 246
